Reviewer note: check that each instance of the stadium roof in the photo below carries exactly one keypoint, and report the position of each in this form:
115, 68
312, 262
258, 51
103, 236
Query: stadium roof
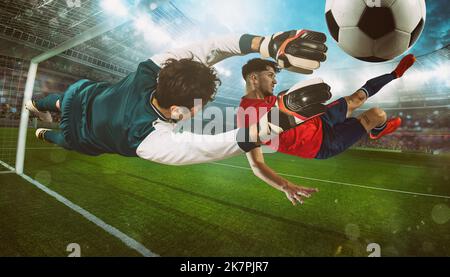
41, 25
44, 24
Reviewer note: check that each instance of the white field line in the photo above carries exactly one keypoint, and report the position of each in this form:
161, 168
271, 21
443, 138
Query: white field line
319, 180
130, 242
343, 183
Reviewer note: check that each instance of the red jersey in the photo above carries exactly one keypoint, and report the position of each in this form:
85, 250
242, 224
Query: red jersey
303, 141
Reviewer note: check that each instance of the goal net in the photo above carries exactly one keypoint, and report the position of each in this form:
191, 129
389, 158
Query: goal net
48, 45
12, 85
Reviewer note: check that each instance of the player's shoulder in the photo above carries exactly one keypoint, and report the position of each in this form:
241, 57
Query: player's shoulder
146, 75
149, 65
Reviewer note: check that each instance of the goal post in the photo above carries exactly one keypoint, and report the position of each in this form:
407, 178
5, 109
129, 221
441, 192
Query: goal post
31, 77
24, 116
66, 37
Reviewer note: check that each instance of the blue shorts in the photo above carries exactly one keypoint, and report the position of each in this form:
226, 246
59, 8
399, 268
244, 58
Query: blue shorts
338, 132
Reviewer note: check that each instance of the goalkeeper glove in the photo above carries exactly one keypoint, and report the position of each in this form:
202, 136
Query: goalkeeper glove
299, 51
302, 102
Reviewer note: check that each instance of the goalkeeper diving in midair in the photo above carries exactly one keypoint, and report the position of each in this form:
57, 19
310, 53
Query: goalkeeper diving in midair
330, 130
136, 117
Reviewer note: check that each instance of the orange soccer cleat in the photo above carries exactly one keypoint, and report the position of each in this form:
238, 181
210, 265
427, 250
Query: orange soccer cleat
391, 126
404, 65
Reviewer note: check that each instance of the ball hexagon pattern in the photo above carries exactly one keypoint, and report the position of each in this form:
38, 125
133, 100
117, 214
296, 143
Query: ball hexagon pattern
375, 30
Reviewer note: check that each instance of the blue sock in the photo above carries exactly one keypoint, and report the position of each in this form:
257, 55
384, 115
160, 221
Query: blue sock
375, 131
374, 85
48, 103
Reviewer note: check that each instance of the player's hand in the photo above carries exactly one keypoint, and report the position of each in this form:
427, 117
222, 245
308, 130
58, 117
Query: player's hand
296, 194
299, 51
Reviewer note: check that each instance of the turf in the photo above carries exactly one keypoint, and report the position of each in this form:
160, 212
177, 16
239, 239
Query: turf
221, 209
34, 224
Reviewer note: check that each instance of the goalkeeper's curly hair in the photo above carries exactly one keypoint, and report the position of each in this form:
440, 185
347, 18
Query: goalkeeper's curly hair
182, 81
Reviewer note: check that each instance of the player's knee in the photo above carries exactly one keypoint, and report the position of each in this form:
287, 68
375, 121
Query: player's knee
379, 115
356, 100
360, 96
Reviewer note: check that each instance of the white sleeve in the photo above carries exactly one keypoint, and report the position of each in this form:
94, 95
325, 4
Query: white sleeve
165, 146
208, 52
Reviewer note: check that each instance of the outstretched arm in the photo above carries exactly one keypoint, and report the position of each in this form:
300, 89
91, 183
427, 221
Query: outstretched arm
299, 51
213, 50
293, 192
165, 146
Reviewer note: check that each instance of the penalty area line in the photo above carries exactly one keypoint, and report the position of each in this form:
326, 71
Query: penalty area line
128, 241
343, 183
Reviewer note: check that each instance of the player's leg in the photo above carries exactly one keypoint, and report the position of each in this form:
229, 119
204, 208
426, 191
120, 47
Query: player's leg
49, 103
374, 85
355, 101
376, 124
336, 112
339, 137
373, 118
51, 136
42, 107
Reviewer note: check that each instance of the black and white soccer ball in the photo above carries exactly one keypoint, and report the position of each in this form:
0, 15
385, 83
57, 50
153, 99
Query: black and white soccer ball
375, 30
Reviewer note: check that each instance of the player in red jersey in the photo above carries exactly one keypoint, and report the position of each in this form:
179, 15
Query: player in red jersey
323, 136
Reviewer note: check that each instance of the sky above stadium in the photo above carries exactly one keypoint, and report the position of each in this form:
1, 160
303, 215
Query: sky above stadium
265, 17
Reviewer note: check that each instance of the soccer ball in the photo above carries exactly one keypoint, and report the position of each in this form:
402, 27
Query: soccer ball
375, 30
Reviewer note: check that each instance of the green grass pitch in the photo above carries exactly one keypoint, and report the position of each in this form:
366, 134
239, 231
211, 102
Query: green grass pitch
221, 209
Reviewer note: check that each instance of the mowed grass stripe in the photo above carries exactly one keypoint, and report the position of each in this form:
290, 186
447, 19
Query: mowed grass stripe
35, 224
340, 183
209, 210
205, 210
154, 202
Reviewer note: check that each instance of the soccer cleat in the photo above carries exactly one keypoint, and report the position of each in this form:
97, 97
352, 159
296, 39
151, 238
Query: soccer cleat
404, 65
391, 126
44, 116
40, 133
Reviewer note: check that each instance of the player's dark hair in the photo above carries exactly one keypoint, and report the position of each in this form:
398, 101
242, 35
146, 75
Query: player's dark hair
182, 81
258, 65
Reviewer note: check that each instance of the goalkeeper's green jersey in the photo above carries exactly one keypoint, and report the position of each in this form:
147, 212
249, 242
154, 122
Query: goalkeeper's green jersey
101, 118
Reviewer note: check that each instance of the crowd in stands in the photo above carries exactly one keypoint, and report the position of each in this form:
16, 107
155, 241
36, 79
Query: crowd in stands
423, 130
9, 112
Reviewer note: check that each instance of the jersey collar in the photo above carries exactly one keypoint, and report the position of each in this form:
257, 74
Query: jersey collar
158, 113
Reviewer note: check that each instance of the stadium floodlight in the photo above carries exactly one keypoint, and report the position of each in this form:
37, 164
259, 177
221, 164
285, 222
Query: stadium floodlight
115, 7
152, 33
142, 22
419, 77
226, 15
442, 72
